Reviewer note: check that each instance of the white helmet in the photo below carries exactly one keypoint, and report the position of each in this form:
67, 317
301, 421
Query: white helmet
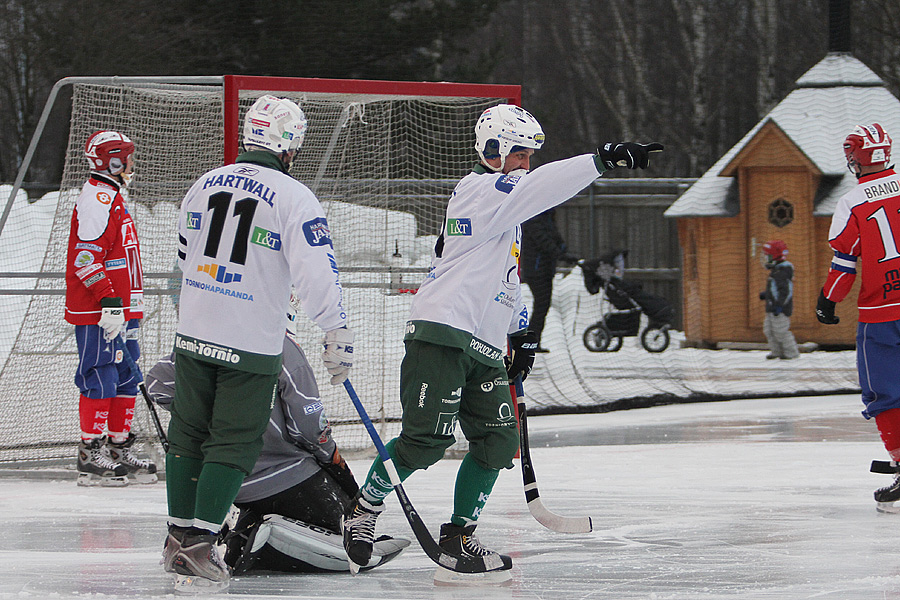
504, 129
275, 124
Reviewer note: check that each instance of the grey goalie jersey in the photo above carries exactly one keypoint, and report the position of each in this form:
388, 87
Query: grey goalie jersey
298, 436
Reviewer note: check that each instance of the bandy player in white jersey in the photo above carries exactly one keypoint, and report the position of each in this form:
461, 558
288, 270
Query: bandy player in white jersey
470, 302
865, 231
247, 232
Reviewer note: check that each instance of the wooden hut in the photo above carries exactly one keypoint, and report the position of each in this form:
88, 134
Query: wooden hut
782, 181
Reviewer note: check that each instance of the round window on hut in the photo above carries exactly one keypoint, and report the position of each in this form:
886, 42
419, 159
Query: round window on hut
781, 212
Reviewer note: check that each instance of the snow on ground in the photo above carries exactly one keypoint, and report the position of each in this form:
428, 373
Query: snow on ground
741, 499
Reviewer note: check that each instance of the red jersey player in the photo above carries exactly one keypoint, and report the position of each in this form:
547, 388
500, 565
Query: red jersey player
104, 300
864, 232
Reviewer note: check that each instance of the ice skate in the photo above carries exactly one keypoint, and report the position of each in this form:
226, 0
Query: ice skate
386, 549
358, 528
140, 469
886, 496
171, 547
199, 567
95, 467
244, 541
459, 540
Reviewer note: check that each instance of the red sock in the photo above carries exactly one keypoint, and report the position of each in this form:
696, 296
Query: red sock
92, 412
121, 413
888, 424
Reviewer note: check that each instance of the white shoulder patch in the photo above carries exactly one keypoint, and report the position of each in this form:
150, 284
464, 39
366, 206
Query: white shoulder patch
93, 206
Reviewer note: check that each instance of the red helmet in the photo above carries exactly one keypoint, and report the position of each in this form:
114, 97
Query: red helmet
108, 151
867, 145
776, 249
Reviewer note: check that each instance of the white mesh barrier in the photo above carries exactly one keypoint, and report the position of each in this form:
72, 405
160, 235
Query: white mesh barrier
383, 167
572, 378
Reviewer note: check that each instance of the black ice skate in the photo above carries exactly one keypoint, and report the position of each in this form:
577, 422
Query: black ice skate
358, 527
95, 467
244, 542
199, 567
886, 496
141, 469
459, 540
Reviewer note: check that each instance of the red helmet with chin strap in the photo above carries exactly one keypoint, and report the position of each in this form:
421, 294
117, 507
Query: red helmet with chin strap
867, 145
776, 249
108, 151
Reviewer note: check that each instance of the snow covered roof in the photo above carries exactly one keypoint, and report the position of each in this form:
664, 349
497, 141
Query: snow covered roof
835, 95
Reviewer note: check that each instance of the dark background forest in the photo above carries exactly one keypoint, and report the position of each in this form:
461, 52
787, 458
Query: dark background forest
695, 75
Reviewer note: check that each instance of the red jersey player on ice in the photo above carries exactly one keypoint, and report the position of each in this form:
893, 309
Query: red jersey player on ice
864, 230
104, 300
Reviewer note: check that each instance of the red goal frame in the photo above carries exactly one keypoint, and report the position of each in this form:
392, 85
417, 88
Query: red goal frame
233, 85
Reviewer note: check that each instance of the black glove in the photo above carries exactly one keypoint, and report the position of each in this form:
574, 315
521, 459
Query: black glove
521, 358
340, 472
627, 154
825, 310
762, 295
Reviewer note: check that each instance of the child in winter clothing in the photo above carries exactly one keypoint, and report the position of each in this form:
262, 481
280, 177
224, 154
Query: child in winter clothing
779, 297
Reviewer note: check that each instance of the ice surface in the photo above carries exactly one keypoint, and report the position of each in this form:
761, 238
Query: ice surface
740, 499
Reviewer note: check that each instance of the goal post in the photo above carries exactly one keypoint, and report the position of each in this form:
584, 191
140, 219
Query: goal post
381, 156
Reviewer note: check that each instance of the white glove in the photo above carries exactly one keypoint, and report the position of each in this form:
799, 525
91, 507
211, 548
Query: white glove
112, 318
338, 355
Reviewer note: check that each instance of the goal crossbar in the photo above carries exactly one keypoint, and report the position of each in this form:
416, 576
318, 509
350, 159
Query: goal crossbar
234, 84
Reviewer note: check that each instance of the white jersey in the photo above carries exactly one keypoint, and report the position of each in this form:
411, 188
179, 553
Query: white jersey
247, 232
473, 286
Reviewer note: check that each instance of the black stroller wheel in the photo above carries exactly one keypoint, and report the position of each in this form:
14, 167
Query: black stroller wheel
596, 338
615, 344
655, 340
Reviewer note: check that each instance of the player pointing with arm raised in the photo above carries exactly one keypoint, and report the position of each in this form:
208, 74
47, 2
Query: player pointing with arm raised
453, 370
865, 230
246, 233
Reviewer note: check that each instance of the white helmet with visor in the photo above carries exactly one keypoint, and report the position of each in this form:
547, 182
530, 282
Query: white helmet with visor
274, 124
504, 129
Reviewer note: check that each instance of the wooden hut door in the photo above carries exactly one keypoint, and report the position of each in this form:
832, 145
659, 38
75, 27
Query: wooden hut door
779, 205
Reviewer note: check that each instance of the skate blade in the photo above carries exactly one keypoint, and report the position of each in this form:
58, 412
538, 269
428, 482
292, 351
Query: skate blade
145, 478
90, 480
192, 585
446, 577
887, 507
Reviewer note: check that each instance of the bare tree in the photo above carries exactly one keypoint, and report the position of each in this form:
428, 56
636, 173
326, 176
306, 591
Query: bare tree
765, 18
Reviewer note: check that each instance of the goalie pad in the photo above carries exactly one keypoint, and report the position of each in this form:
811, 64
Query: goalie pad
318, 547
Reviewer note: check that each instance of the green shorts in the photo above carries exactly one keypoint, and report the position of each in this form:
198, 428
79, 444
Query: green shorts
219, 414
441, 386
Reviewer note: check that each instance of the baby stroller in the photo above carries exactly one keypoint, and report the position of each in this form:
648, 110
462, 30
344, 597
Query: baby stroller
628, 300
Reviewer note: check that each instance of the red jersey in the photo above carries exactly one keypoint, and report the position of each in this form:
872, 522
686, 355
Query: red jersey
104, 257
865, 229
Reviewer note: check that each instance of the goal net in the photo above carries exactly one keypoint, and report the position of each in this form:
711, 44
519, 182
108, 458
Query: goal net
382, 157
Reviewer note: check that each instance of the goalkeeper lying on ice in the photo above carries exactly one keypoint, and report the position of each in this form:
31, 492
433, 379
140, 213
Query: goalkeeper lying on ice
291, 503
